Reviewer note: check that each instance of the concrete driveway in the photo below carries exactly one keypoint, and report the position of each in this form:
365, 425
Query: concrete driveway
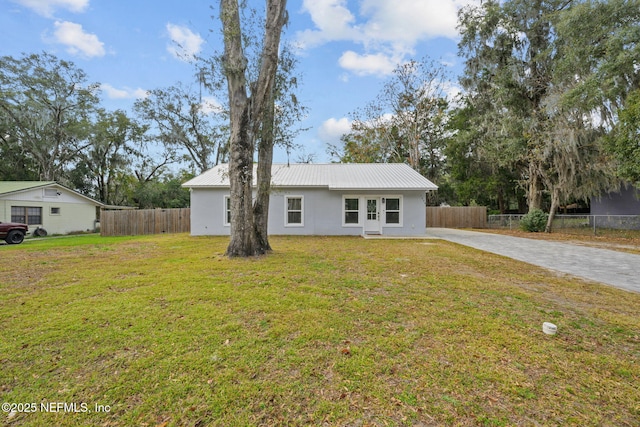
618, 269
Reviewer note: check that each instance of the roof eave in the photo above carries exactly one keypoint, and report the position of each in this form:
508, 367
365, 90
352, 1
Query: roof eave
29, 188
276, 186
52, 184
226, 186
192, 186
383, 188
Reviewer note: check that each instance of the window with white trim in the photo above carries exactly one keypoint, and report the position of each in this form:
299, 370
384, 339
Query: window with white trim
351, 212
227, 210
392, 210
294, 210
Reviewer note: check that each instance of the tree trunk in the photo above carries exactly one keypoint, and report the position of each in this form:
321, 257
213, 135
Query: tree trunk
555, 202
534, 196
261, 205
248, 117
243, 242
501, 203
265, 160
264, 114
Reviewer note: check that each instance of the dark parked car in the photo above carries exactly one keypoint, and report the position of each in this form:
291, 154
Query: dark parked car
13, 233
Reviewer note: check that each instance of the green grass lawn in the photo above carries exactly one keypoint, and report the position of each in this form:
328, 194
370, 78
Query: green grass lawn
166, 331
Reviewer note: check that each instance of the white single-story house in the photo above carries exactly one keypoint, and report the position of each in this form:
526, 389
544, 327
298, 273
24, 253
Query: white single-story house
47, 205
322, 199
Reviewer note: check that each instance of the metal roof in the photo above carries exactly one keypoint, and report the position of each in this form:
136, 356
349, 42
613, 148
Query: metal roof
8, 187
334, 176
14, 186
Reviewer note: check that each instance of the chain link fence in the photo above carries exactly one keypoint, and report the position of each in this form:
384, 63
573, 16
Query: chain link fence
574, 224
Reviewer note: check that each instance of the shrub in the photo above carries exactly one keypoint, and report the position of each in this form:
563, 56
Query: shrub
535, 221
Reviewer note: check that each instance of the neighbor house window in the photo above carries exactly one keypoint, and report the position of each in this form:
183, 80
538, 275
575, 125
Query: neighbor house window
392, 208
351, 210
294, 210
227, 210
54, 211
26, 215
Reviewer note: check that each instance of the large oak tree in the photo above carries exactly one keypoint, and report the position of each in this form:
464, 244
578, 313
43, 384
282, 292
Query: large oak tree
546, 80
46, 106
251, 107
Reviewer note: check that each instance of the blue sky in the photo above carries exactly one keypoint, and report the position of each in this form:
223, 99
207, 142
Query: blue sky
346, 48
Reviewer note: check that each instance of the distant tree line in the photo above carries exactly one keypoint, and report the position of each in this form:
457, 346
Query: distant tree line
53, 128
549, 113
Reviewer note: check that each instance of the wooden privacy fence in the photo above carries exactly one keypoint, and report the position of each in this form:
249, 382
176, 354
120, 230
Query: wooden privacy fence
147, 221
457, 217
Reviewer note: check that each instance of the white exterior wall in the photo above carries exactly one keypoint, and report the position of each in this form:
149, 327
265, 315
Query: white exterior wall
75, 212
323, 212
207, 212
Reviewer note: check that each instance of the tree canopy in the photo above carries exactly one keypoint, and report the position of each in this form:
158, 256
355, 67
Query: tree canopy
545, 81
46, 106
406, 122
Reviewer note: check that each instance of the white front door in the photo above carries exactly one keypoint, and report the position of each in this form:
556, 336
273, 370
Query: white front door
372, 222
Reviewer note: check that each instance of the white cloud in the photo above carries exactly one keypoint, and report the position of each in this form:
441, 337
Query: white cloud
452, 90
449, 60
185, 44
385, 29
408, 21
211, 105
47, 7
368, 64
332, 130
125, 93
77, 40
333, 22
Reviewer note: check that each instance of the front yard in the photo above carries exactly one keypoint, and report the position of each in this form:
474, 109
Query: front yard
166, 331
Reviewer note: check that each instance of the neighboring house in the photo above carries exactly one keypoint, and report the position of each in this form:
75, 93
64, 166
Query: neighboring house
322, 199
623, 202
617, 210
48, 205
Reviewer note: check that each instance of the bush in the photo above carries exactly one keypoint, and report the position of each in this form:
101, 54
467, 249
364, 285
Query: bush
535, 221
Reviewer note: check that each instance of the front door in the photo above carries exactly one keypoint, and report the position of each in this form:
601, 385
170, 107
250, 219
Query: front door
372, 223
